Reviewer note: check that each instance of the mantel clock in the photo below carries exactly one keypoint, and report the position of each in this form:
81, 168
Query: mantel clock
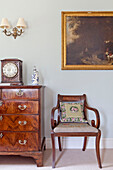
11, 71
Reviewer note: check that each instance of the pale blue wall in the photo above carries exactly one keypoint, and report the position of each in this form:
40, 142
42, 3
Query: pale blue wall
41, 46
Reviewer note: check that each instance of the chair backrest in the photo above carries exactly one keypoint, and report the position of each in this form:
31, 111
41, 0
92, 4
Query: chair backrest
71, 98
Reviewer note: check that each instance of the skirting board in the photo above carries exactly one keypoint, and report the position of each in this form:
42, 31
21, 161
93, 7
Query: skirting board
77, 143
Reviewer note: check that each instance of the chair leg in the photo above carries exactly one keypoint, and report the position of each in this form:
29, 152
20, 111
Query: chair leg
53, 150
85, 142
59, 143
98, 149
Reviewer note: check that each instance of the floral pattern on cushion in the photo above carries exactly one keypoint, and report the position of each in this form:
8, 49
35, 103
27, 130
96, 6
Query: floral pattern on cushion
72, 111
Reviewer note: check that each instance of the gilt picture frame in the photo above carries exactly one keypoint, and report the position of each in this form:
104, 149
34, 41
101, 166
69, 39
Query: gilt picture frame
87, 40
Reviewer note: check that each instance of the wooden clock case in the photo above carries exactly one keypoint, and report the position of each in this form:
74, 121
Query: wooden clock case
17, 79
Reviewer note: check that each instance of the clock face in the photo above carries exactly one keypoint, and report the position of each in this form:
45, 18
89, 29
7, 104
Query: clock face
10, 70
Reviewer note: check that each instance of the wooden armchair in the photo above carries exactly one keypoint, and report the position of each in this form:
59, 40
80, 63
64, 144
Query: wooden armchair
60, 129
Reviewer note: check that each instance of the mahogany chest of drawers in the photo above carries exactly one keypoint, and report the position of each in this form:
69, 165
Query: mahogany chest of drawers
21, 121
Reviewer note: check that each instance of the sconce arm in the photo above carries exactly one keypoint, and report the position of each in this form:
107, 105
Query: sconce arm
19, 32
8, 33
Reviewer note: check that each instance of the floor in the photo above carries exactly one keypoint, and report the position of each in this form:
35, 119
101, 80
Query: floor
66, 160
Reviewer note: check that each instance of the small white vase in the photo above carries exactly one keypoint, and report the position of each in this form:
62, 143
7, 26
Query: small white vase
35, 77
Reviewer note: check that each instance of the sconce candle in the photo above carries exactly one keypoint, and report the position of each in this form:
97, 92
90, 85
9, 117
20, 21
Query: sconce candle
16, 31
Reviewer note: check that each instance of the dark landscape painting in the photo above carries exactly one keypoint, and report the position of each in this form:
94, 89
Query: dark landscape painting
89, 40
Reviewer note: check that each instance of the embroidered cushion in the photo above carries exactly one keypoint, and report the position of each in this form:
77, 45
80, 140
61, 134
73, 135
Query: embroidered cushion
72, 111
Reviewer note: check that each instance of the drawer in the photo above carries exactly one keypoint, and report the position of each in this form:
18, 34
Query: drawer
19, 141
19, 107
19, 122
20, 94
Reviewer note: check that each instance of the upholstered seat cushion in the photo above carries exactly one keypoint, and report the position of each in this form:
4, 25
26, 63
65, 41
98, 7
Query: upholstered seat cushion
74, 127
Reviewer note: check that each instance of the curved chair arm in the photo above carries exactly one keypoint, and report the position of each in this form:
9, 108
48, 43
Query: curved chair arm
53, 122
97, 116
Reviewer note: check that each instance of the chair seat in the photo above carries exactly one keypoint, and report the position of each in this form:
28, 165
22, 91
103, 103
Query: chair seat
74, 127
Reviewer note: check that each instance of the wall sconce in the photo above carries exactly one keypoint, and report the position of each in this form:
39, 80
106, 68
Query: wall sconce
16, 31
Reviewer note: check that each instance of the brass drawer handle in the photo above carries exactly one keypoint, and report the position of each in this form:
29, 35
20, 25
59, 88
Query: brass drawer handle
1, 102
1, 118
22, 122
20, 93
1, 135
22, 107
22, 143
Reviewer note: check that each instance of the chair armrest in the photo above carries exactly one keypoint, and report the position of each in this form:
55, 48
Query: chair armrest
53, 122
97, 125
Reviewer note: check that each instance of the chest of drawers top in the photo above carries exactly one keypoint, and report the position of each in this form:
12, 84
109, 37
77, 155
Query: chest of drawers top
22, 87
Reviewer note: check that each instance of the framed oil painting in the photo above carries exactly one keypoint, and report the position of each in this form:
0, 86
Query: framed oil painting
87, 40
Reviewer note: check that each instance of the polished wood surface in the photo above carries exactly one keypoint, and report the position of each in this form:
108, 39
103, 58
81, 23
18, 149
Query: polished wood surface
38, 156
20, 94
19, 107
21, 121
19, 141
72, 98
